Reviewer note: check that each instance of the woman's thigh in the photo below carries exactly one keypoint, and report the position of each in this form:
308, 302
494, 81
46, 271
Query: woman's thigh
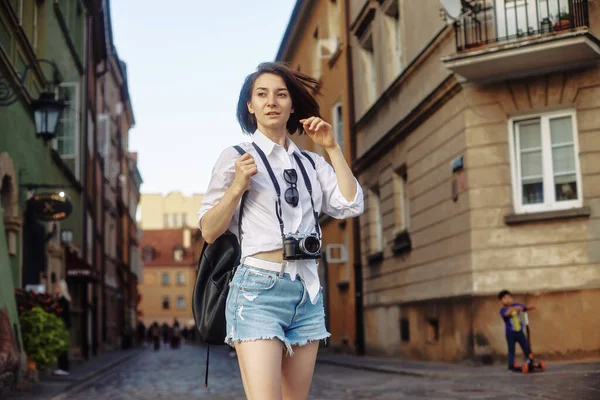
297, 371
260, 365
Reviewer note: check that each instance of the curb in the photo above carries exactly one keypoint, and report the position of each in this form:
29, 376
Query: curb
94, 374
387, 370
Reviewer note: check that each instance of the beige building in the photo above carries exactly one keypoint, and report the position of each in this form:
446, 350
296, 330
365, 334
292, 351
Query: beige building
167, 212
168, 277
478, 146
315, 43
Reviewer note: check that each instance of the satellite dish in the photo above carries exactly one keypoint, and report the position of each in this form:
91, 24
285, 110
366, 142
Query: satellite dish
453, 8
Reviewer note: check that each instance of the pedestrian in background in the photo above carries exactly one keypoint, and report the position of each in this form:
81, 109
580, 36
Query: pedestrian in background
155, 331
274, 312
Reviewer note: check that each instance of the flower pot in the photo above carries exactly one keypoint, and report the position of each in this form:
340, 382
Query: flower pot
562, 24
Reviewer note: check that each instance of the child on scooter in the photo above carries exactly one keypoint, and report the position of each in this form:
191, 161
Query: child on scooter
511, 314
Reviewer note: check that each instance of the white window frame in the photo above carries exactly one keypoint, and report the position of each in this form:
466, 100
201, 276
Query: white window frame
401, 201
180, 303
75, 108
162, 279
393, 33
375, 245
368, 66
316, 72
180, 278
549, 204
338, 124
106, 143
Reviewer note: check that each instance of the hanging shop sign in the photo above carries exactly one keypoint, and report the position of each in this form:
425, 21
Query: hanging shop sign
50, 206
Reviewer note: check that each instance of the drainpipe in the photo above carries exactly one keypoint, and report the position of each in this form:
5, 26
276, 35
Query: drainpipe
84, 176
358, 278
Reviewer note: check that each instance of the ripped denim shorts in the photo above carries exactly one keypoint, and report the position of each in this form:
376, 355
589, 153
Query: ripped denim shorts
263, 305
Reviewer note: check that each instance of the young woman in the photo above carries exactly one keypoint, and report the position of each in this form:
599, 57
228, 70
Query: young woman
275, 316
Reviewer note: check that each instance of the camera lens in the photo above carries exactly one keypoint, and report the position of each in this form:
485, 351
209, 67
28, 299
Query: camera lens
310, 245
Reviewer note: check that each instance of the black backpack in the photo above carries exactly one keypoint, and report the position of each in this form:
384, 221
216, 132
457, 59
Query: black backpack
216, 268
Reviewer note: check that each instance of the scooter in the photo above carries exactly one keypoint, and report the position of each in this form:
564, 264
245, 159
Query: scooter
531, 365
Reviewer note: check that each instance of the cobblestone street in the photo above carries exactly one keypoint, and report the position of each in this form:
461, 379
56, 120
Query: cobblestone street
179, 374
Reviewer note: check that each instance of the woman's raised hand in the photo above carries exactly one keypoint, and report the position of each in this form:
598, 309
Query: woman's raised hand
245, 168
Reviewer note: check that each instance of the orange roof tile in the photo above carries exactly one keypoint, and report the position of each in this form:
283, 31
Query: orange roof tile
163, 243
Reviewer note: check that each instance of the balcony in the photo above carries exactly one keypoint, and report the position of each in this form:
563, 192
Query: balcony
503, 39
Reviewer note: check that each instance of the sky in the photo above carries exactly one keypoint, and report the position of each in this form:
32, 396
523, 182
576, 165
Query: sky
186, 62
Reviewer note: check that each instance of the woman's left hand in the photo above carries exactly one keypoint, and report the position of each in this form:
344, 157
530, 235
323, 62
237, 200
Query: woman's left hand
319, 131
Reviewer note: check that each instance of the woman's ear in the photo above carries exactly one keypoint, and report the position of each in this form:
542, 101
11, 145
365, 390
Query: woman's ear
250, 108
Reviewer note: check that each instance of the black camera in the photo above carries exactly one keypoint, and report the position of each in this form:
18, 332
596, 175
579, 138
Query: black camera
301, 247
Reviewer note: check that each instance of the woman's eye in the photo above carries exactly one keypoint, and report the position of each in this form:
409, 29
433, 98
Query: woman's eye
261, 94
282, 94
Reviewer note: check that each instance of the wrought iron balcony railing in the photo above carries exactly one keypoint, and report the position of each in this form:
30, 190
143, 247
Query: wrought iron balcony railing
491, 21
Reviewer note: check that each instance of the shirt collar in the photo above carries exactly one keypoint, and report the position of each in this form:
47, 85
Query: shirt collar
267, 145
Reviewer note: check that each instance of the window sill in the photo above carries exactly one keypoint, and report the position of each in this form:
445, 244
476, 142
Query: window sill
402, 244
375, 258
516, 219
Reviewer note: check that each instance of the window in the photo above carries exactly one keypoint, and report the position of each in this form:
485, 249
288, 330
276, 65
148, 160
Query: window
545, 165
147, 253
433, 330
103, 132
67, 132
404, 330
165, 220
333, 19
165, 303
180, 278
178, 255
338, 124
391, 28
184, 220
367, 65
175, 220
316, 71
515, 18
165, 279
375, 222
401, 202
180, 302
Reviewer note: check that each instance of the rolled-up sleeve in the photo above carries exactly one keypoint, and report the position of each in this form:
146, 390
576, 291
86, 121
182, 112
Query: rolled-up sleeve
334, 202
221, 178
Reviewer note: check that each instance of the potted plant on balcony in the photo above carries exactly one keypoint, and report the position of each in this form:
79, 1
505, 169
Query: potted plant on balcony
563, 21
45, 337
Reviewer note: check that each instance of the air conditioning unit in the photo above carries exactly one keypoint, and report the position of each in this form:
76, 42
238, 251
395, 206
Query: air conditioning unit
336, 253
328, 47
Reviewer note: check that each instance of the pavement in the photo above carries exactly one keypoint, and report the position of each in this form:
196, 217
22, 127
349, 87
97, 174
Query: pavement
50, 385
179, 374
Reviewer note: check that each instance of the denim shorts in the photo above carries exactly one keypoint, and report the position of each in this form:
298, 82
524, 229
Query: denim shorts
263, 305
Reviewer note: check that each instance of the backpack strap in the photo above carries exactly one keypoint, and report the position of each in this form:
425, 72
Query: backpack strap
305, 154
242, 152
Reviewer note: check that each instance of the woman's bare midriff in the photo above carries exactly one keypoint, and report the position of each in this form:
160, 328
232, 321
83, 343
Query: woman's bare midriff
274, 256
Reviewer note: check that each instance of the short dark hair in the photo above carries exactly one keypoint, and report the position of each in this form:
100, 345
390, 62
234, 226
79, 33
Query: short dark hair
299, 86
502, 294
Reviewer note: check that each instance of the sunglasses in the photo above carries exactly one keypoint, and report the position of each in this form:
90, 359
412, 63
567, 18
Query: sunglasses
292, 197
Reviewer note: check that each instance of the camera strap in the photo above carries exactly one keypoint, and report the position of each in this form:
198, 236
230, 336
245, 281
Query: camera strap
278, 209
309, 187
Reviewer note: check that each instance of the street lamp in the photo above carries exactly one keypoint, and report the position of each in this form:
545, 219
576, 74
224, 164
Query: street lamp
46, 109
46, 113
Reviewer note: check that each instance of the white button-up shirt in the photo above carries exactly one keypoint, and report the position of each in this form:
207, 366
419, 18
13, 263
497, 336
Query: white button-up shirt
260, 226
